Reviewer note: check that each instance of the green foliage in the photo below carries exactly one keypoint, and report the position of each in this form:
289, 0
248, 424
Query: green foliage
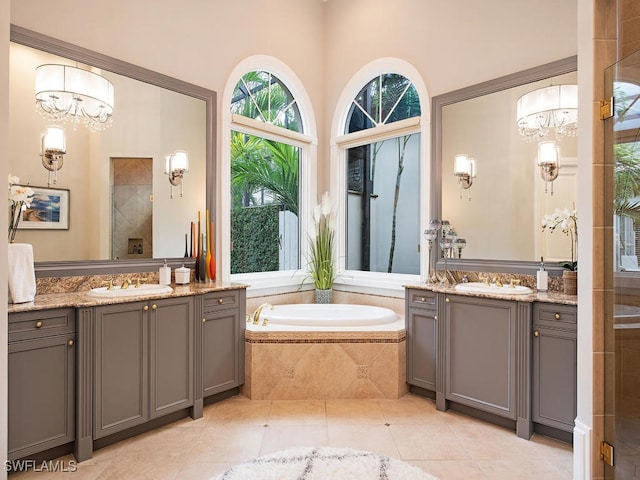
254, 239
627, 180
259, 164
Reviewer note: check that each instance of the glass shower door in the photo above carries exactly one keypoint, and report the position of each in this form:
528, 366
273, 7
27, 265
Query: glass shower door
622, 328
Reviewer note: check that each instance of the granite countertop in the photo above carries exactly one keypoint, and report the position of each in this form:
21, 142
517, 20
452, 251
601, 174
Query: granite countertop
83, 299
547, 297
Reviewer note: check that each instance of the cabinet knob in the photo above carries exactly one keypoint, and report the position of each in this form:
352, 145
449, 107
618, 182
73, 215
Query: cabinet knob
447, 300
154, 307
536, 333
422, 299
220, 300
204, 320
38, 324
70, 343
435, 317
145, 308
557, 315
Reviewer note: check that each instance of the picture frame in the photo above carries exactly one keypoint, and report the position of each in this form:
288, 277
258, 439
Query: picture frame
49, 210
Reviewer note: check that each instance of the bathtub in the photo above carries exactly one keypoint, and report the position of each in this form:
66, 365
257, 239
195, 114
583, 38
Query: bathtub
325, 351
343, 316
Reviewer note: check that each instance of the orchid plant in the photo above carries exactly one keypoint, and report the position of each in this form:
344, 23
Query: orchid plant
321, 264
20, 197
567, 221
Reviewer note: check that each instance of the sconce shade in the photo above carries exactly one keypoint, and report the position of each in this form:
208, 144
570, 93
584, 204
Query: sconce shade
549, 108
461, 165
179, 161
53, 140
464, 166
64, 92
52, 149
548, 153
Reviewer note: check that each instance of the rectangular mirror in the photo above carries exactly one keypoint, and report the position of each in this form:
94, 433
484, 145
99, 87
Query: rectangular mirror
120, 205
500, 214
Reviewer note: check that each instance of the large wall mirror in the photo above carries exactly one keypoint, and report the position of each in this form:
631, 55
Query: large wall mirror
121, 212
500, 215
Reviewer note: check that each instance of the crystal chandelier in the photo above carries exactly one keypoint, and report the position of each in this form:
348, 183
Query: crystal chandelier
66, 93
553, 108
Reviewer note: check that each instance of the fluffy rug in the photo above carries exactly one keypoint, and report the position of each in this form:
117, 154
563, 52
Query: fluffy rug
324, 463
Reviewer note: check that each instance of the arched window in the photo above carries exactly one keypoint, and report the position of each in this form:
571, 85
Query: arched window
382, 148
269, 156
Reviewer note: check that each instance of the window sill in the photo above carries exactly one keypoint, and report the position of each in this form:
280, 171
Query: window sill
276, 283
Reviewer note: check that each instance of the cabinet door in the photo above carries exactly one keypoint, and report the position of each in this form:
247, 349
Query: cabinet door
220, 352
172, 354
480, 354
554, 378
120, 380
422, 337
41, 394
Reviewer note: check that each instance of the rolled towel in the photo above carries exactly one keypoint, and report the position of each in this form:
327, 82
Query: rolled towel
22, 276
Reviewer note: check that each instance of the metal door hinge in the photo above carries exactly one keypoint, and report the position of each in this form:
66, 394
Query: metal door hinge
606, 453
606, 109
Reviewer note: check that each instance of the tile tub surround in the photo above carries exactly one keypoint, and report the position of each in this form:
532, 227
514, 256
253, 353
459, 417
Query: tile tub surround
281, 365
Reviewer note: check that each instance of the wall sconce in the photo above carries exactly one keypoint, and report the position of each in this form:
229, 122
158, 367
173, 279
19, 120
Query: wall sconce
52, 148
548, 156
177, 164
465, 169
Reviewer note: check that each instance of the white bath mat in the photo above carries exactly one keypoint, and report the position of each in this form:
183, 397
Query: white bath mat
324, 463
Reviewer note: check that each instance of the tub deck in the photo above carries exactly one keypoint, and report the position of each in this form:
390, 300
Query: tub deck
323, 363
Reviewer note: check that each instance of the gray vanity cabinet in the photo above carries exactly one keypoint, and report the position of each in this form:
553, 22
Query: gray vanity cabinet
481, 353
554, 365
223, 324
422, 337
144, 354
171, 355
41, 381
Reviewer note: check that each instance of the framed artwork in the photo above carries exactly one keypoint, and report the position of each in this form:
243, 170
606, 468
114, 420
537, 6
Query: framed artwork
49, 210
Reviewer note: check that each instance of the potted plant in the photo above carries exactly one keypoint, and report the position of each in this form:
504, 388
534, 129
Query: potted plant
321, 255
567, 221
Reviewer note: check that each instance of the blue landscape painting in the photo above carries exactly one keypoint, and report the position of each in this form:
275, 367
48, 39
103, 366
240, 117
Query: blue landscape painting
46, 208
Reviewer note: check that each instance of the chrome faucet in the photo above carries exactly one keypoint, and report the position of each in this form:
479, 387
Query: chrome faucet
256, 314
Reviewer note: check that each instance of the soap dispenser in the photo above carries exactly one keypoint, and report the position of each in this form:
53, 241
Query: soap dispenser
165, 274
542, 278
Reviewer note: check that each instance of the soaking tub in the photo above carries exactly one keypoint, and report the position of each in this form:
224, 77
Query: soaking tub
325, 351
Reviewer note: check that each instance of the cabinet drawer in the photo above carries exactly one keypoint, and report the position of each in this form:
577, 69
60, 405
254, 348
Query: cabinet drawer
563, 316
422, 298
220, 300
41, 323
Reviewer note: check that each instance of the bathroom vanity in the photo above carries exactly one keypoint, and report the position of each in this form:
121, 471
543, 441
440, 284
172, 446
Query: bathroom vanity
507, 359
85, 370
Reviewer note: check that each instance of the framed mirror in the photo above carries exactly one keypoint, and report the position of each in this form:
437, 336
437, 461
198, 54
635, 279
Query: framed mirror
499, 215
122, 217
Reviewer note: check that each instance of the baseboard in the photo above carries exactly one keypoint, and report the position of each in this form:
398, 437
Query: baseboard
581, 451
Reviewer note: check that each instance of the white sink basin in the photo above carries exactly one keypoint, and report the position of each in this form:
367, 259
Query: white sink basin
132, 291
480, 287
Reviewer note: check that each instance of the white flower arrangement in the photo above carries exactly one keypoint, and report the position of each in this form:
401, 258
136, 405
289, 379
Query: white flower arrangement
567, 221
321, 264
20, 197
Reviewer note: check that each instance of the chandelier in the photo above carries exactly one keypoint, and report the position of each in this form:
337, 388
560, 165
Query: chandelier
66, 93
553, 108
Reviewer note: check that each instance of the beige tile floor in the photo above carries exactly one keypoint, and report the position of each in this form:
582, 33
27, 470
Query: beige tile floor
448, 445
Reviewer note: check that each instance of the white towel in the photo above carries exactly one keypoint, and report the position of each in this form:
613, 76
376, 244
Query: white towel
22, 276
